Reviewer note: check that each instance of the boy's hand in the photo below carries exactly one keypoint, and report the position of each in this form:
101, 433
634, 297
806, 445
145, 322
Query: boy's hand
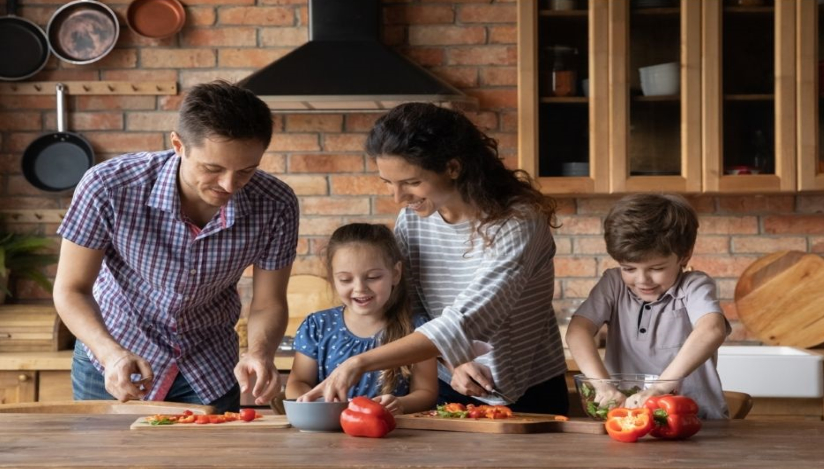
392, 403
638, 399
608, 396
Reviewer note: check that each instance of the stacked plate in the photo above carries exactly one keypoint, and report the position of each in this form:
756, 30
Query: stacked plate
653, 3
575, 169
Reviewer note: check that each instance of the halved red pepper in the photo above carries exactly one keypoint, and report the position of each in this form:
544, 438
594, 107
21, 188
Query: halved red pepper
365, 417
675, 416
627, 425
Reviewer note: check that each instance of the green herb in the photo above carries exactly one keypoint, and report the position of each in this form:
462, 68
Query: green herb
162, 421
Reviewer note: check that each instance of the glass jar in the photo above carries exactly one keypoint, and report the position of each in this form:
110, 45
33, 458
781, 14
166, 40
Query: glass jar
560, 72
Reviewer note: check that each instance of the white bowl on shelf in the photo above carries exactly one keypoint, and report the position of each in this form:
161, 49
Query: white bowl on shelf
661, 79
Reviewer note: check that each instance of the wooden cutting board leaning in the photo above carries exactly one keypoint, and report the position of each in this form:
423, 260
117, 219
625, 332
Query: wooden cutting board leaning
780, 299
518, 423
267, 421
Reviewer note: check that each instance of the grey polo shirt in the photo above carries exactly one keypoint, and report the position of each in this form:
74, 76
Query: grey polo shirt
645, 337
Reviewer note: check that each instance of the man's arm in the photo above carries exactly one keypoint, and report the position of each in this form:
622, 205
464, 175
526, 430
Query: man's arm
77, 270
268, 317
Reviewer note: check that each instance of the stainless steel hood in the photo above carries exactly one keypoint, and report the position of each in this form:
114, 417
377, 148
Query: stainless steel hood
345, 68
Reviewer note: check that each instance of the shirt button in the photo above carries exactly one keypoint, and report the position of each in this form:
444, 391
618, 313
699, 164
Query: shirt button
194, 271
647, 307
643, 330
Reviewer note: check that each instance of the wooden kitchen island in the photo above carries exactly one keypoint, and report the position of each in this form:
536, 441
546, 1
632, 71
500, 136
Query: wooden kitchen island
87, 441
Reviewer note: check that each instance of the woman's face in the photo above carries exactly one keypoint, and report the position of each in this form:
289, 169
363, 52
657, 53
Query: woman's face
423, 191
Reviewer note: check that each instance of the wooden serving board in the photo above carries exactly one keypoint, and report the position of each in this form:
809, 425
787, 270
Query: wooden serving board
267, 421
518, 423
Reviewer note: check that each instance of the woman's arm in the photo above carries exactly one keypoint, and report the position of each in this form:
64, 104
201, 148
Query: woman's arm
303, 376
423, 388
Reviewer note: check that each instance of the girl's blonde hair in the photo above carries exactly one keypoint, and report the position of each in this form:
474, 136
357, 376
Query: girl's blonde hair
397, 310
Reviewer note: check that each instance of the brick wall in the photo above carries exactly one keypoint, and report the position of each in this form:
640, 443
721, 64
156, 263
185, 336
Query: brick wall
470, 43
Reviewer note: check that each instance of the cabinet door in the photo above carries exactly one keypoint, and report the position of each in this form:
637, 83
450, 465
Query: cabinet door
810, 68
563, 128
655, 101
54, 386
749, 95
17, 386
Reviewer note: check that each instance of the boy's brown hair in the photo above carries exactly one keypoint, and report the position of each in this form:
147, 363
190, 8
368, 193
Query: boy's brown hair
641, 226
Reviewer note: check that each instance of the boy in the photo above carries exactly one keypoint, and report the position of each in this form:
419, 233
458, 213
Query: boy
662, 320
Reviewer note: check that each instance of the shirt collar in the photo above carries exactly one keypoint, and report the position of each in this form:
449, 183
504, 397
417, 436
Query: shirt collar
675, 291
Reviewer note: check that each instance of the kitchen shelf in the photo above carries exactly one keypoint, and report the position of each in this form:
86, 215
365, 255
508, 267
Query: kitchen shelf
749, 97
762, 10
656, 12
564, 100
658, 99
564, 13
92, 87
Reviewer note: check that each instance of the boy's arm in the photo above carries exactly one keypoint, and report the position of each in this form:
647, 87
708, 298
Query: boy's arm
579, 339
423, 388
303, 376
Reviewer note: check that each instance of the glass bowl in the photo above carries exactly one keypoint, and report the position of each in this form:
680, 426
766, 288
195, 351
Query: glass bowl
627, 383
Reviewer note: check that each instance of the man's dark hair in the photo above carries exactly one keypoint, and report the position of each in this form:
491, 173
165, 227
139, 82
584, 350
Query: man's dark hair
221, 109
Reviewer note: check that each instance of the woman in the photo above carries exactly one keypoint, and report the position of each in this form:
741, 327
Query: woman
476, 238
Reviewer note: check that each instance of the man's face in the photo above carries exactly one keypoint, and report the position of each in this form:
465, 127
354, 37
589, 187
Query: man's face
212, 172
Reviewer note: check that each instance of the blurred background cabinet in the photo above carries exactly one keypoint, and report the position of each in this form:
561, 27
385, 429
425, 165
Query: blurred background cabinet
678, 95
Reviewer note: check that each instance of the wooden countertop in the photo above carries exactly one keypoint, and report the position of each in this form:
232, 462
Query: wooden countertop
70, 441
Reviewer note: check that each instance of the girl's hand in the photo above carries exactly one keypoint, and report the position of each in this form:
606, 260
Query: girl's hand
336, 386
392, 403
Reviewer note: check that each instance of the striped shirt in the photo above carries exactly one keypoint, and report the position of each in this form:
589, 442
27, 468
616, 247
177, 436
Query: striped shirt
499, 297
166, 293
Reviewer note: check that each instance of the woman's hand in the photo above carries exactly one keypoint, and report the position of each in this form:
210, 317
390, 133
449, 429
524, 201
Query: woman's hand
336, 386
392, 403
472, 379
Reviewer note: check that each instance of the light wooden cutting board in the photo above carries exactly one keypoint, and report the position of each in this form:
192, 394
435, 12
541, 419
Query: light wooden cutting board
267, 421
518, 423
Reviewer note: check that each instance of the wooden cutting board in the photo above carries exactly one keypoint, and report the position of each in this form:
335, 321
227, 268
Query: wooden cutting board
780, 299
518, 423
267, 421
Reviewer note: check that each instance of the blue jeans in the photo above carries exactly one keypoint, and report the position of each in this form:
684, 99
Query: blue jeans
89, 384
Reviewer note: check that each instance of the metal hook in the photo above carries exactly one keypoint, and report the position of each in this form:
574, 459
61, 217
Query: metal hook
110, 87
87, 88
38, 87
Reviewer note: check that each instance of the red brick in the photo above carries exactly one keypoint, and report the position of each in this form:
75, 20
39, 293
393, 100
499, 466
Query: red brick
126, 142
17, 185
574, 267
294, 142
66, 74
507, 144
319, 226
325, 163
563, 245
148, 121
314, 123
18, 141
721, 266
334, 205
564, 308
170, 103
817, 244
590, 245
764, 244
344, 142
284, 2
578, 288
459, 77
360, 122
711, 245
219, 37
385, 206
368, 184
418, 14
483, 55
425, 56
485, 120
118, 58
273, 163
730, 311
129, 38
794, 224
308, 265
509, 121
503, 34
249, 57
496, 98
499, 76
107, 103
455, 1
23, 102
188, 78
139, 75
10, 163
446, 35
726, 288
703, 204
810, 203
200, 16
579, 225
177, 58
596, 205
757, 203
219, 2
284, 37
605, 263
317, 245
23, 203
487, 14
257, 16
727, 225
306, 185
393, 35
80, 121
509, 158
20, 121
303, 247
564, 206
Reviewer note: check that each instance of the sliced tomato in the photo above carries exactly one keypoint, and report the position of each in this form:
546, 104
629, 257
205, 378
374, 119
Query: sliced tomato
202, 419
187, 419
187, 413
247, 415
454, 407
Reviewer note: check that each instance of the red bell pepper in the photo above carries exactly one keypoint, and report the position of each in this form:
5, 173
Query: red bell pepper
627, 425
675, 416
365, 417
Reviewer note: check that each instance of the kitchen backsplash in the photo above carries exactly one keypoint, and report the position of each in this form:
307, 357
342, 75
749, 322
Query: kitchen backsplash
471, 44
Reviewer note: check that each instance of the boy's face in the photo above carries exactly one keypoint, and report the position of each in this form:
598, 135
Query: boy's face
651, 278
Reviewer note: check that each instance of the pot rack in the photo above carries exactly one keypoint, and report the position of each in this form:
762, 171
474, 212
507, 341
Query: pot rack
92, 88
37, 215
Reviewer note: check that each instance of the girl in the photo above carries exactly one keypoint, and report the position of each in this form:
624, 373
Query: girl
476, 238
363, 262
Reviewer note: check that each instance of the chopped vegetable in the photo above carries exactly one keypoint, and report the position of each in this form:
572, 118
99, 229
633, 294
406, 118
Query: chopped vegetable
628, 425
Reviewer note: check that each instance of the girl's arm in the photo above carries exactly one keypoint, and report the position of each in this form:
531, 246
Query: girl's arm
303, 377
423, 388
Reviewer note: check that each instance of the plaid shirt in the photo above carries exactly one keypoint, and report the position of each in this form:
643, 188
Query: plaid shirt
168, 293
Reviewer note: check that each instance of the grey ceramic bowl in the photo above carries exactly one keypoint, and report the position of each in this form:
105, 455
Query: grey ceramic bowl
315, 416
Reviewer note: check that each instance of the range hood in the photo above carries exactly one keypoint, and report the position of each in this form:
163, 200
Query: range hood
345, 68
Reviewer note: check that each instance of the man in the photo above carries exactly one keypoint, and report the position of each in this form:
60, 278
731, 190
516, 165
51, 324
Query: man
153, 247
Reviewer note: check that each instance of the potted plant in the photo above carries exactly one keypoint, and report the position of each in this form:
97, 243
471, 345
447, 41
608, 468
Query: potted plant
24, 256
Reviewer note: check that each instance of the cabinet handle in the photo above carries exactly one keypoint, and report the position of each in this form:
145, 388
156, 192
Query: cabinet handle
23, 378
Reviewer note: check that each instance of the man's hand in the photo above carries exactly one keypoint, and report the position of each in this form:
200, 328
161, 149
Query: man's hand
117, 375
267, 378
472, 379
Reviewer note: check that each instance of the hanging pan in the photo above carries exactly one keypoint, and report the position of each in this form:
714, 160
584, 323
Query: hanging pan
156, 18
24, 48
58, 160
82, 31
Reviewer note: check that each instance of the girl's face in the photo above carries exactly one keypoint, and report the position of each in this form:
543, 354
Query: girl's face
422, 190
653, 277
362, 278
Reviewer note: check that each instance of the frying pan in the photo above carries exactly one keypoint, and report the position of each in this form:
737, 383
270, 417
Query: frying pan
23, 46
156, 18
82, 31
58, 160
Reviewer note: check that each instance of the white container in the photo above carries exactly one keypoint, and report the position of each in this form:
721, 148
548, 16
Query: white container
767, 371
661, 80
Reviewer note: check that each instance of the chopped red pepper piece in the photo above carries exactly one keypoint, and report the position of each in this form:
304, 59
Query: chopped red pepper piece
365, 417
675, 416
627, 425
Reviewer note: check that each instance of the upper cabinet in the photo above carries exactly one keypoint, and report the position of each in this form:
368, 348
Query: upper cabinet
689, 96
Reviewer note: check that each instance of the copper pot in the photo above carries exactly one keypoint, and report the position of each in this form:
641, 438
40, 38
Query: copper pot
83, 31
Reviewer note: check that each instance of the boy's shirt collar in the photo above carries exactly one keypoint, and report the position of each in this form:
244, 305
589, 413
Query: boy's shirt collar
675, 292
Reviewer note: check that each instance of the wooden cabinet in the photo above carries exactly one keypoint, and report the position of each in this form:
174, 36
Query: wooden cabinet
677, 95
18, 386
